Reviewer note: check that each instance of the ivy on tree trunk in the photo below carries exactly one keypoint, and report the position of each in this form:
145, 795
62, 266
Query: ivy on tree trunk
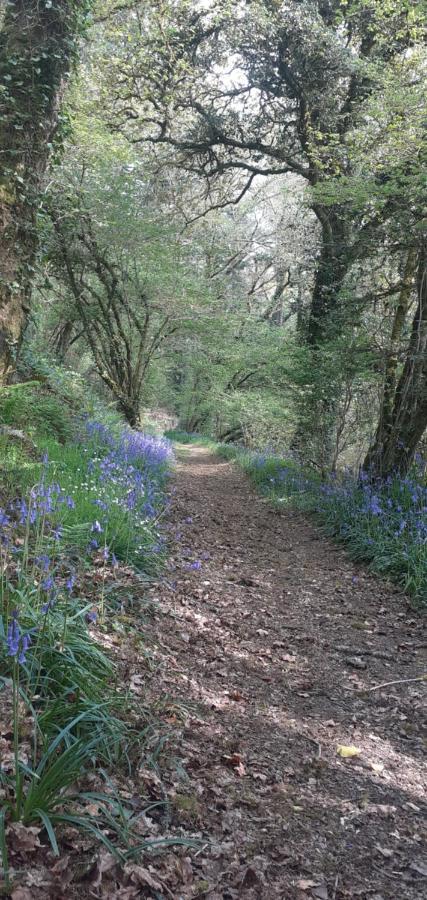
37, 47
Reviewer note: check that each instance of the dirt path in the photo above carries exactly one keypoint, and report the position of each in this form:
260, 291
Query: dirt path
272, 644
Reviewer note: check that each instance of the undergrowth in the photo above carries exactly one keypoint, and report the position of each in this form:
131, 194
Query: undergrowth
79, 495
186, 437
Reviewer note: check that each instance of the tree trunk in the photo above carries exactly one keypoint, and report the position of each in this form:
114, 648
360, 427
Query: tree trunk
131, 411
404, 420
37, 43
333, 264
315, 434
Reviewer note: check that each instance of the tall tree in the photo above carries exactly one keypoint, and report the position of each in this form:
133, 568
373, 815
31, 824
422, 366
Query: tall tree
121, 324
38, 42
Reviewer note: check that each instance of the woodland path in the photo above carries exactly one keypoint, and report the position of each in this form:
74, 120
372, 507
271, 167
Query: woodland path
272, 645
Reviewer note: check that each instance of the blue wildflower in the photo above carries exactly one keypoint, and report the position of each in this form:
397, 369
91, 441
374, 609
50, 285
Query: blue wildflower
4, 518
96, 527
48, 583
69, 584
17, 643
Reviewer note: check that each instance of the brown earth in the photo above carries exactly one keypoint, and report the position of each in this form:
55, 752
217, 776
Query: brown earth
275, 644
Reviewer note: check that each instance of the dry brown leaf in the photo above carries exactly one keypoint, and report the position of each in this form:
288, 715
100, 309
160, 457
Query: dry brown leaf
184, 869
235, 695
141, 876
305, 884
24, 839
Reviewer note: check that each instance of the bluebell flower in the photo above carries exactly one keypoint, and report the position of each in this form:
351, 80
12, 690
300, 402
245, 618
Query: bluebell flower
17, 643
96, 527
69, 584
48, 583
25, 643
13, 635
43, 561
4, 518
48, 606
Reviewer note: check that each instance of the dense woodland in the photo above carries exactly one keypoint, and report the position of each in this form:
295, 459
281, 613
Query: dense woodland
215, 212
238, 184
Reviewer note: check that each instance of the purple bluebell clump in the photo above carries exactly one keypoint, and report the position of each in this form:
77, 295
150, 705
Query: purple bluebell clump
17, 642
130, 469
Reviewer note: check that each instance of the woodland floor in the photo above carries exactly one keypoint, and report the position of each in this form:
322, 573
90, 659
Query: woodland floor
261, 661
274, 644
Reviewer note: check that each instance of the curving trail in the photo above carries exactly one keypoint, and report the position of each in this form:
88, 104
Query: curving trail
273, 643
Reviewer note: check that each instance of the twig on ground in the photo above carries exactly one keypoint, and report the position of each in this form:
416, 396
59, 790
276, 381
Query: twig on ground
398, 681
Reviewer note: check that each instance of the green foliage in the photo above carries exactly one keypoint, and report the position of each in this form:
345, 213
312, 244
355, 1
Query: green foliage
34, 409
56, 677
183, 437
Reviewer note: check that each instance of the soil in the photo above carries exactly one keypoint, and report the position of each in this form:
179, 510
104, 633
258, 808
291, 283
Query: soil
274, 645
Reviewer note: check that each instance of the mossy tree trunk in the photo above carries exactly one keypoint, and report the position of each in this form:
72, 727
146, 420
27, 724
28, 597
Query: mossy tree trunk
403, 418
37, 48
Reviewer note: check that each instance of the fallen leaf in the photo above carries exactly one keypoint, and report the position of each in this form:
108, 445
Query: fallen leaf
305, 884
347, 752
320, 892
385, 851
235, 695
235, 761
184, 870
250, 878
24, 839
420, 867
141, 876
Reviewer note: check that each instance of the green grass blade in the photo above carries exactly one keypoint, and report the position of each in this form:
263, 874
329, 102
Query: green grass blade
49, 829
3, 849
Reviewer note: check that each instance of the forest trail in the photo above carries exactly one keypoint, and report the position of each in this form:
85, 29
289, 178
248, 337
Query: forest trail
272, 644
